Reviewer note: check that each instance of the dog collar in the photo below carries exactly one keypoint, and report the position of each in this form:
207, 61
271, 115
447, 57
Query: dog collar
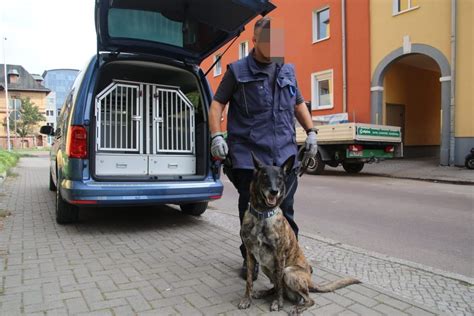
264, 214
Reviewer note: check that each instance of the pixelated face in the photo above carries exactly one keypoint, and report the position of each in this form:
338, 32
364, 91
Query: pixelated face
269, 41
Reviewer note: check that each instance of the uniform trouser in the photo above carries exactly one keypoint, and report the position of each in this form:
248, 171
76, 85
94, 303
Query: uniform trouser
241, 181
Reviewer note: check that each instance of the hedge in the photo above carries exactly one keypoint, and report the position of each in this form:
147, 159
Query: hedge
8, 160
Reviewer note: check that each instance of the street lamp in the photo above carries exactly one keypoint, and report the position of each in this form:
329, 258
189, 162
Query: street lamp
4, 39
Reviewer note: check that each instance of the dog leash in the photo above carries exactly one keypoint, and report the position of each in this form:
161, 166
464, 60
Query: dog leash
303, 157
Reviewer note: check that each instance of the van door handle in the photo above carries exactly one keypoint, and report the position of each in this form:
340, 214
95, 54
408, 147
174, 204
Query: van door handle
121, 165
172, 165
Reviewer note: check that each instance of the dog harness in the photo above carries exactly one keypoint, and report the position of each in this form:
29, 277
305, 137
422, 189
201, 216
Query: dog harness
262, 215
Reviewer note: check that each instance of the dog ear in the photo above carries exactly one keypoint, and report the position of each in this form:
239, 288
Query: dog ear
257, 163
288, 165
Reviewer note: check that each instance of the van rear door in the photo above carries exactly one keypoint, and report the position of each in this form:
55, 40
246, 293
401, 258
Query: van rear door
188, 30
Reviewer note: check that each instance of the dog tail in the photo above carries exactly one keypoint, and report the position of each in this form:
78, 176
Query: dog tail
332, 286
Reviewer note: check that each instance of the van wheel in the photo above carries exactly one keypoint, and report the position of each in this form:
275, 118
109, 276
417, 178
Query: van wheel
52, 186
195, 209
65, 212
353, 167
316, 165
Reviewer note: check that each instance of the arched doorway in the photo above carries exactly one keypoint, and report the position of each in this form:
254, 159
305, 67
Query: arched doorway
412, 88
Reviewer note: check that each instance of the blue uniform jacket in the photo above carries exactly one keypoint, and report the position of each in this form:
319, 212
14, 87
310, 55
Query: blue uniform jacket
258, 121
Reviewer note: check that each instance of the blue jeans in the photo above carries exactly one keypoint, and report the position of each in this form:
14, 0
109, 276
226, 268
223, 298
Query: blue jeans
241, 181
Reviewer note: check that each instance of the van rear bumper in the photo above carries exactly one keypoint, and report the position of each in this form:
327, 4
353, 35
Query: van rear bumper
139, 193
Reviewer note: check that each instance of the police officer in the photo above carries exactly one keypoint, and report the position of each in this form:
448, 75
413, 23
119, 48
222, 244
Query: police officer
264, 100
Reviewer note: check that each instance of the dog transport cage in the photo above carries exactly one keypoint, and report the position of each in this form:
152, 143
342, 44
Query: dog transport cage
144, 129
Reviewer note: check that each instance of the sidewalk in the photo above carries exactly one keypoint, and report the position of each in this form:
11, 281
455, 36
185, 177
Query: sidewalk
427, 169
156, 261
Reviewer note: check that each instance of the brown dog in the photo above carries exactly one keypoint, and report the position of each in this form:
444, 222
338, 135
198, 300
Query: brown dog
269, 239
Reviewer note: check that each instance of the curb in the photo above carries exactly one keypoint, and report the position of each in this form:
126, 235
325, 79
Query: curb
433, 180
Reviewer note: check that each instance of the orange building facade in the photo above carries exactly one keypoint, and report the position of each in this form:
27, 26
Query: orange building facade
313, 42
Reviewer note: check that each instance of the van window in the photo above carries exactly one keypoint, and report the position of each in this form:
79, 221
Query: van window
153, 26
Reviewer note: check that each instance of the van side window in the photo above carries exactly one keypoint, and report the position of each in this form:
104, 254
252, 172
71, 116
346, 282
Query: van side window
64, 115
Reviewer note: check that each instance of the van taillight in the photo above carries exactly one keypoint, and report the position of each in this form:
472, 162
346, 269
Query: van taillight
389, 149
76, 146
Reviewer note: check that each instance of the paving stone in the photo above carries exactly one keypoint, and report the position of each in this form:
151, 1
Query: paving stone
412, 310
363, 310
363, 290
33, 297
347, 313
392, 301
331, 309
362, 299
108, 304
120, 294
187, 309
56, 312
388, 310
76, 305
197, 300
123, 311
165, 302
338, 299
97, 313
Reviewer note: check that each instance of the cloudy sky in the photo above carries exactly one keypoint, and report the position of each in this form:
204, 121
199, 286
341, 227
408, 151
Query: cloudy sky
47, 34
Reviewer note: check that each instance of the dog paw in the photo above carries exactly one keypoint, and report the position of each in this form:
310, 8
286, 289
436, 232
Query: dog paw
295, 311
276, 306
244, 303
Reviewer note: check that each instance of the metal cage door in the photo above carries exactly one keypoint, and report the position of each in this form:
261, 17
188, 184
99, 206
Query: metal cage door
173, 116
119, 114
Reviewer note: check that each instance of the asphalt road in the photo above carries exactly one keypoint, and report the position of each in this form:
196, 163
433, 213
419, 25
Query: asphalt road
426, 223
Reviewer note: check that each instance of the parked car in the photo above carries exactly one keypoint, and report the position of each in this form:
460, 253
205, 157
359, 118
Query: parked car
134, 129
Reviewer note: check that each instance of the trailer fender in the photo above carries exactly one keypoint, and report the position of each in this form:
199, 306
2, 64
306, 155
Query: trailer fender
325, 154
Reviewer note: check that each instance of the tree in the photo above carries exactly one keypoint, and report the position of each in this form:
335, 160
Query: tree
29, 117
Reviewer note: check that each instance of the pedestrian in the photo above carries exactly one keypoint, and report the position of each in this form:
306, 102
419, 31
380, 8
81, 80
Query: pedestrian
264, 100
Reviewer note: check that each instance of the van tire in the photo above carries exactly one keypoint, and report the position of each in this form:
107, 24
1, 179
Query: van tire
194, 209
316, 165
52, 186
353, 167
65, 212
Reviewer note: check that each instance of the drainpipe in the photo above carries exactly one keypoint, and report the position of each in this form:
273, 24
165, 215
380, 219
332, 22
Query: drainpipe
453, 83
344, 70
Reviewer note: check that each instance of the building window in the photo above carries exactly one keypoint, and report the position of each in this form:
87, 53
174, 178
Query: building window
401, 6
322, 90
243, 49
218, 66
59, 112
320, 25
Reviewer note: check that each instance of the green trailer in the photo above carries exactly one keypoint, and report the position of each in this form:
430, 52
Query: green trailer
352, 145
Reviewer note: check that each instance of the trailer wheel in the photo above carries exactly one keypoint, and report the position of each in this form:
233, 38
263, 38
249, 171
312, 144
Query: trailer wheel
353, 167
469, 163
194, 209
316, 165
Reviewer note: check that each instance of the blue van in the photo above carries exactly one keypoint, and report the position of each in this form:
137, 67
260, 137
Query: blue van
134, 128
